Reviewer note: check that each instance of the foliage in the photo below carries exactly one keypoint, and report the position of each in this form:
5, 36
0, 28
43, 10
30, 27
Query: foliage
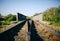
4, 23
10, 17
52, 15
7, 18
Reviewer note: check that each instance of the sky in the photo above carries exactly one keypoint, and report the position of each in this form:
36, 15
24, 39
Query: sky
26, 7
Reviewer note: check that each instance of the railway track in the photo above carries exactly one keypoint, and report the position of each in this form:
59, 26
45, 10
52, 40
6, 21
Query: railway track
28, 30
9, 34
46, 33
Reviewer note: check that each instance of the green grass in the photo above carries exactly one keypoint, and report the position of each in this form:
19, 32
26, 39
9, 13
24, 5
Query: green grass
55, 23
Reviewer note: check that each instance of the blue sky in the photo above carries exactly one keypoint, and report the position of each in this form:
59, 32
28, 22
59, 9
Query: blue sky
26, 7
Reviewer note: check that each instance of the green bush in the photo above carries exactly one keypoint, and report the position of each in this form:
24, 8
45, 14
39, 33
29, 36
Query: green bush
4, 23
56, 24
10, 17
7, 19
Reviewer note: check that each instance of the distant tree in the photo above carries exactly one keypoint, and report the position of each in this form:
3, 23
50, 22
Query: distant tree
52, 14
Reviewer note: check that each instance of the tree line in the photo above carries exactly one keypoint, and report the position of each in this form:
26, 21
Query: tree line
52, 15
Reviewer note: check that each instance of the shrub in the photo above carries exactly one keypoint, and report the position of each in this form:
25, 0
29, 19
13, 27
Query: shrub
4, 23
